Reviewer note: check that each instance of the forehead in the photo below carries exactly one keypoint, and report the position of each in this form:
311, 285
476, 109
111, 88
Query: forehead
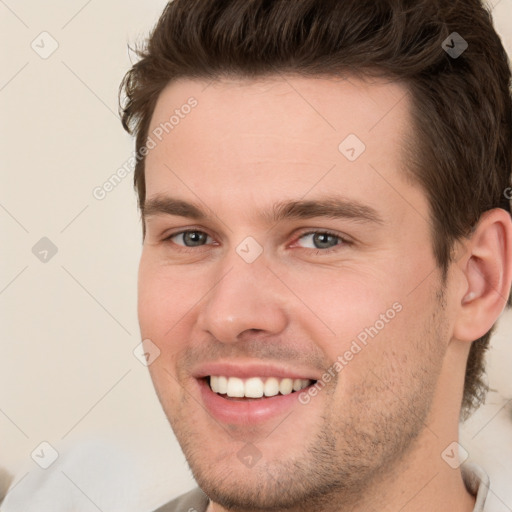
281, 135
281, 105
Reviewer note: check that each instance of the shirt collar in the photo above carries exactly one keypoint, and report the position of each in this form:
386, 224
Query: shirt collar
476, 481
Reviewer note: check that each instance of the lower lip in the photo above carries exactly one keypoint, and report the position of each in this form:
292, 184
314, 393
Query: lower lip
246, 412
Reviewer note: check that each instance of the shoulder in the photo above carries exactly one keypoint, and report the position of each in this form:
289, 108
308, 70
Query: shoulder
192, 501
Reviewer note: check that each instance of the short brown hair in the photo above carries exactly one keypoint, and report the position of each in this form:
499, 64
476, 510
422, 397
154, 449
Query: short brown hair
462, 111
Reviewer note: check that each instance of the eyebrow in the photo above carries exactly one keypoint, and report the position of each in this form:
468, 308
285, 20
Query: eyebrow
333, 207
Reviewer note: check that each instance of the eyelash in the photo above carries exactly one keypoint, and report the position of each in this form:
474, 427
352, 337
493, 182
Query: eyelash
344, 241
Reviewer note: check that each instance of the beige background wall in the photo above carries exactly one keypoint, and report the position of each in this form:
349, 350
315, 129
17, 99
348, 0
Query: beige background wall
68, 324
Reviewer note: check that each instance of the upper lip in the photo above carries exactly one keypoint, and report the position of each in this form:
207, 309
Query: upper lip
244, 370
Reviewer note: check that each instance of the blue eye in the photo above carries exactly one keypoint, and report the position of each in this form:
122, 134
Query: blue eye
322, 239
190, 238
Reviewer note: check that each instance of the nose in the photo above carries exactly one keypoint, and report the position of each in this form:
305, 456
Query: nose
246, 297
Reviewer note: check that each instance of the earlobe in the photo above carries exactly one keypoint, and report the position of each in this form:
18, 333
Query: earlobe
487, 269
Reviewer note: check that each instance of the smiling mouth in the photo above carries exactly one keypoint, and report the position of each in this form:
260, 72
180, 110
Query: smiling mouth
255, 388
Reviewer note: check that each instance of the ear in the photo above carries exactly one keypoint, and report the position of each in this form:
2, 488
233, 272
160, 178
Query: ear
487, 272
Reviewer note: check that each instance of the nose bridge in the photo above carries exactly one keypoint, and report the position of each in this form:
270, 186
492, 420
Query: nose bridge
245, 296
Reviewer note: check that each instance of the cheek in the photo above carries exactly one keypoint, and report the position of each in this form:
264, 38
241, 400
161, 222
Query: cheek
162, 313
365, 314
404, 344
164, 299
335, 305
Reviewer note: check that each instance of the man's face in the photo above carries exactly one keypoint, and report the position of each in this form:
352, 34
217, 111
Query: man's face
258, 290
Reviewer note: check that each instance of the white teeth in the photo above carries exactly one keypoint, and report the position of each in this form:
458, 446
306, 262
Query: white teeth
286, 386
214, 383
255, 387
235, 387
271, 387
297, 384
222, 385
